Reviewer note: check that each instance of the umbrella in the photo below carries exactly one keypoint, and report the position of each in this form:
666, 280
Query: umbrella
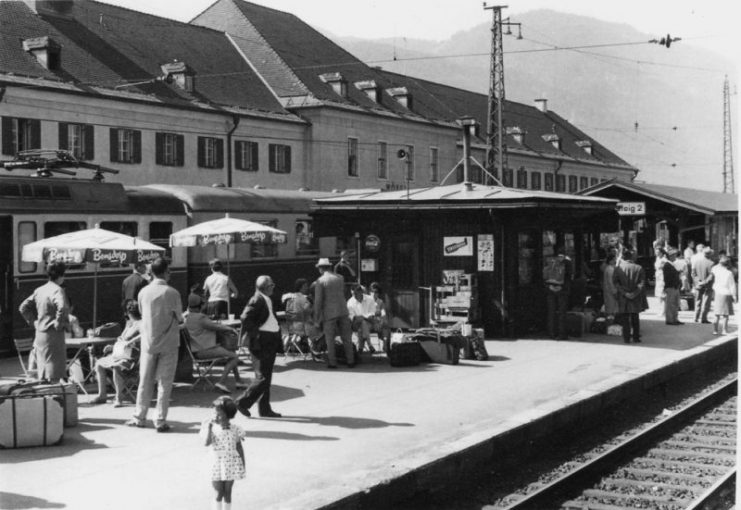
94, 245
227, 231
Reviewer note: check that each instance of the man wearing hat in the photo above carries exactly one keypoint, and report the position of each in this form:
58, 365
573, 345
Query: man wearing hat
672, 283
330, 311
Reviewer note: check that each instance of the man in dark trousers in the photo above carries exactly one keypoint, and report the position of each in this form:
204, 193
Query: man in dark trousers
132, 284
630, 281
672, 284
263, 333
702, 278
331, 314
557, 277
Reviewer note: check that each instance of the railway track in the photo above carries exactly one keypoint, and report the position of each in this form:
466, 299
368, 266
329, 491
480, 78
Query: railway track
687, 460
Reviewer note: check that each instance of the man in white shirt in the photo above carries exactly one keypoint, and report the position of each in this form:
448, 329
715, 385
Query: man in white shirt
363, 311
219, 288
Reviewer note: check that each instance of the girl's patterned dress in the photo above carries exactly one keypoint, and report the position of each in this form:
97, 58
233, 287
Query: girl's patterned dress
226, 463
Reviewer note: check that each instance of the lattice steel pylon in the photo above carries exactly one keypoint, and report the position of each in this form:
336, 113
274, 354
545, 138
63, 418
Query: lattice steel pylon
496, 151
728, 183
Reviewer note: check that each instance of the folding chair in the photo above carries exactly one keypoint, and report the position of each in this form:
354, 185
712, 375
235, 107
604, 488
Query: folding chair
292, 345
131, 380
24, 346
203, 367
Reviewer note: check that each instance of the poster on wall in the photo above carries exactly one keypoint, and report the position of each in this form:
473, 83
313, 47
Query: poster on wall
486, 252
458, 246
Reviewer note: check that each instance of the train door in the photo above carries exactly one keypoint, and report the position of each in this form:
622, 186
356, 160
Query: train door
404, 277
6, 286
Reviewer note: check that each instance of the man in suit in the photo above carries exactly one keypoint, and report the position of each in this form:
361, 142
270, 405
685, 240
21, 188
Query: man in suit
263, 334
702, 278
630, 281
132, 284
330, 310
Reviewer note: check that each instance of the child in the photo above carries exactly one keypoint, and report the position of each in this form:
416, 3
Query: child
225, 440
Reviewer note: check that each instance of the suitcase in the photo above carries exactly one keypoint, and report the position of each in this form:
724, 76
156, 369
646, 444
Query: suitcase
440, 351
67, 393
35, 420
405, 354
575, 324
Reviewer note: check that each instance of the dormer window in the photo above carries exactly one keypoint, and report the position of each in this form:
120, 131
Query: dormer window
517, 133
553, 139
46, 52
586, 145
178, 73
371, 89
336, 81
402, 95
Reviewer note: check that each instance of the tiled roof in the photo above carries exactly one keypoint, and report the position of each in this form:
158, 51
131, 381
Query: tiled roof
460, 196
307, 54
705, 202
110, 46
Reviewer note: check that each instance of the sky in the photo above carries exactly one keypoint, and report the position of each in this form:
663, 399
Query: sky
709, 23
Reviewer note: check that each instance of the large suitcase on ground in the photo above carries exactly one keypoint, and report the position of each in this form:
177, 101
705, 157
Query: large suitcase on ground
67, 392
405, 354
30, 420
440, 350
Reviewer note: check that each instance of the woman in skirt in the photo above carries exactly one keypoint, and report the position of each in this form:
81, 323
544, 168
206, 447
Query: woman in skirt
724, 288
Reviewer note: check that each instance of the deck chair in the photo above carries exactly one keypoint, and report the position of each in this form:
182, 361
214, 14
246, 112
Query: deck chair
24, 346
131, 380
202, 367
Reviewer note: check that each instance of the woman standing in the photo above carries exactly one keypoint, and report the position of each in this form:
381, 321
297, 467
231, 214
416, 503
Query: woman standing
609, 292
48, 309
724, 287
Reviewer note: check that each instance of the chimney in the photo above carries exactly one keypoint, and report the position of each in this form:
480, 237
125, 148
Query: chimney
336, 81
542, 104
179, 73
402, 95
371, 89
45, 50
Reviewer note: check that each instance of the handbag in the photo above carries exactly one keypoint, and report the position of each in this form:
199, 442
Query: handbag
122, 350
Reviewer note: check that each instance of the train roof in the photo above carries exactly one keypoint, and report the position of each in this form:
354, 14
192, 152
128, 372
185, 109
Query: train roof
218, 199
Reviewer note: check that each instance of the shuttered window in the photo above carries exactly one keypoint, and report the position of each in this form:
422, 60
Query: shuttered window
170, 150
246, 156
79, 139
126, 145
20, 135
210, 152
279, 158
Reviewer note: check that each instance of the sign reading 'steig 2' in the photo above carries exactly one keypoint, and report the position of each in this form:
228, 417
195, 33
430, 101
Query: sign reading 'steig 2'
631, 208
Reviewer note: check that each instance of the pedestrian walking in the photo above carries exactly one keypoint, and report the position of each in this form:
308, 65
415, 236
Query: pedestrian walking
263, 340
227, 455
161, 310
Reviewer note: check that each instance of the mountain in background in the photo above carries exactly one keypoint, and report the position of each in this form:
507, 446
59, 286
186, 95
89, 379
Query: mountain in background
660, 109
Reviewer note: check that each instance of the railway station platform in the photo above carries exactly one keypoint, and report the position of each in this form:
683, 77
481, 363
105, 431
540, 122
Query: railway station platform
350, 438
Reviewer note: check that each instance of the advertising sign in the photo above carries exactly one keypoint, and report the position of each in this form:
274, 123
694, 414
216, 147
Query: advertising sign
372, 243
486, 252
458, 246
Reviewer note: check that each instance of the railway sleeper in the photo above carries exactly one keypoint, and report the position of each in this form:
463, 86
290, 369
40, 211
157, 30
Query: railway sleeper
580, 505
654, 485
711, 440
630, 500
673, 454
671, 444
653, 474
678, 466
714, 423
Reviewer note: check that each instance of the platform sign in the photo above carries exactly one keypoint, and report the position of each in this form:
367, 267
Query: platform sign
631, 208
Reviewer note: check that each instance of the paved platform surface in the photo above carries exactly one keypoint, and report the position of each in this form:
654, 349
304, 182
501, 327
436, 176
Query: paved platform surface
343, 431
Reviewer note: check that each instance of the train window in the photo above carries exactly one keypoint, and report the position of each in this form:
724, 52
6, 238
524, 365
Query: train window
129, 228
60, 192
306, 243
265, 250
42, 191
55, 228
159, 234
26, 234
10, 190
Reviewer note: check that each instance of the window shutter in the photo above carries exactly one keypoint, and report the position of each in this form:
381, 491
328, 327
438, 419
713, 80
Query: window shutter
201, 151
35, 134
63, 140
238, 160
288, 159
219, 163
89, 134
255, 155
180, 150
159, 148
271, 158
7, 127
137, 157
114, 144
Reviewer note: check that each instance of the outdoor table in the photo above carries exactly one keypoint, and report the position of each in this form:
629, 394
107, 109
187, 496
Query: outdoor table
83, 344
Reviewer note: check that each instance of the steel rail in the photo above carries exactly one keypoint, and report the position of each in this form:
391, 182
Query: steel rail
592, 471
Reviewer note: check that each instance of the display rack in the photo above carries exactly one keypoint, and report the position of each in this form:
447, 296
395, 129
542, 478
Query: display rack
457, 300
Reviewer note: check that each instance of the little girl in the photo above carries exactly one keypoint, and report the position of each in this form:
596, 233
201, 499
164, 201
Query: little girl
225, 440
